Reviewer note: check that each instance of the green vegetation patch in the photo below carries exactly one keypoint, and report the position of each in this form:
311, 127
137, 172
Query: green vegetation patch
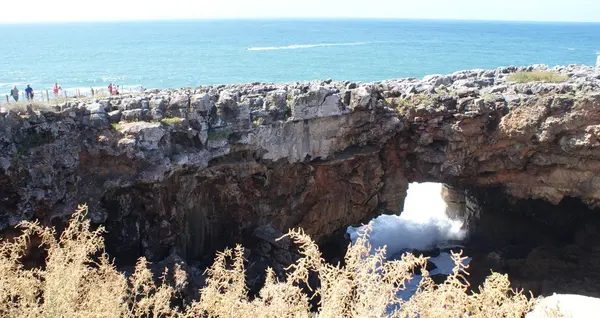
539, 76
489, 97
116, 126
258, 122
402, 104
171, 121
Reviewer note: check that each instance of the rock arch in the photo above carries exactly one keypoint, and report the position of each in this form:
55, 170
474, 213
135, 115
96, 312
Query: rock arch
328, 155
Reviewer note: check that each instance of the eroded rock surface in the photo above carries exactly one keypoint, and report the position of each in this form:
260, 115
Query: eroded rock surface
201, 168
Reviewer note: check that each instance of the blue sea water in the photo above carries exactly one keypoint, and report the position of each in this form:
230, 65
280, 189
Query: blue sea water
190, 53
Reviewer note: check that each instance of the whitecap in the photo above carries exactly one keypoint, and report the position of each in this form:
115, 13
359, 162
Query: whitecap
303, 46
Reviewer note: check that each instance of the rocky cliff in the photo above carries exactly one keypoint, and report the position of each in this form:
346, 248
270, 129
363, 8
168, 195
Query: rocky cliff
201, 168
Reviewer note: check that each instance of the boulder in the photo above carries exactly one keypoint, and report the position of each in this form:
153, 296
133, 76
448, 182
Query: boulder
273, 236
319, 101
95, 108
201, 102
363, 98
276, 100
132, 115
114, 116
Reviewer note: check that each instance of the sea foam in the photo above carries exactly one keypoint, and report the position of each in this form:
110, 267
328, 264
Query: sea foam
303, 46
422, 225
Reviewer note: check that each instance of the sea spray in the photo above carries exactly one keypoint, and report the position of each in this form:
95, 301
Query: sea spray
422, 225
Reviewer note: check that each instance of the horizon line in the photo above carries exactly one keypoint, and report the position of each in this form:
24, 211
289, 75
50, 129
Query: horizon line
291, 19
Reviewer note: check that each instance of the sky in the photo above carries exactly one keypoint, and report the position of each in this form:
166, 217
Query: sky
120, 10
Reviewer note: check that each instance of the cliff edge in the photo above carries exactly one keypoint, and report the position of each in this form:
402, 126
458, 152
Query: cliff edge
200, 168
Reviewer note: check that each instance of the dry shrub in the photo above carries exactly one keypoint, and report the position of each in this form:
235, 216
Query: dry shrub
537, 76
79, 280
22, 106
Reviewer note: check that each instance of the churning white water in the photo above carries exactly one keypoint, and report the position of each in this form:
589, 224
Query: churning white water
422, 225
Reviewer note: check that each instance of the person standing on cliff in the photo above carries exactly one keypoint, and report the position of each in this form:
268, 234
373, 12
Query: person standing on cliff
29, 93
15, 93
55, 90
110, 89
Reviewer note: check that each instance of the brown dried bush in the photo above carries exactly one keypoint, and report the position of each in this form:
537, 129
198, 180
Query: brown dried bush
79, 280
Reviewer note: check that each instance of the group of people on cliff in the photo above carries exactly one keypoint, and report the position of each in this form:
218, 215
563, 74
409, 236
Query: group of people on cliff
29, 93
57, 89
113, 89
14, 92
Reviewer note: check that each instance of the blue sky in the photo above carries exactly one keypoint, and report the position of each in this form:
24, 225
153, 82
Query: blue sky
110, 10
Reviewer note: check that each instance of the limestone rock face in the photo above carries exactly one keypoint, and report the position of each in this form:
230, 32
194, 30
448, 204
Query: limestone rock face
319, 101
201, 168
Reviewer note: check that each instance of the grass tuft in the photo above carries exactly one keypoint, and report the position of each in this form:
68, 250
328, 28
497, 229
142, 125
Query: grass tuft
171, 121
539, 76
258, 122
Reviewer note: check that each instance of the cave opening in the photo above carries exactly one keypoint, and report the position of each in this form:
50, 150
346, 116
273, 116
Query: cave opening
544, 248
432, 223
423, 225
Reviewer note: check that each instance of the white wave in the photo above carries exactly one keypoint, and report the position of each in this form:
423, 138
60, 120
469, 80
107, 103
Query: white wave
303, 46
113, 78
86, 89
571, 49
422, 225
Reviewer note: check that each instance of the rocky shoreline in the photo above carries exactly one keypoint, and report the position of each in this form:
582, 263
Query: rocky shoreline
189, 171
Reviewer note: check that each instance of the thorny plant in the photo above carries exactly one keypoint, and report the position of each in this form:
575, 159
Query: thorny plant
78, 279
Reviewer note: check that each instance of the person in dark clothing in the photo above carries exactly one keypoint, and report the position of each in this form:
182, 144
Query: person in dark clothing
29, 92
15, 93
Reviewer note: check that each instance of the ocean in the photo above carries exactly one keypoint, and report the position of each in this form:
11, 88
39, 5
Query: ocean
190, 53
